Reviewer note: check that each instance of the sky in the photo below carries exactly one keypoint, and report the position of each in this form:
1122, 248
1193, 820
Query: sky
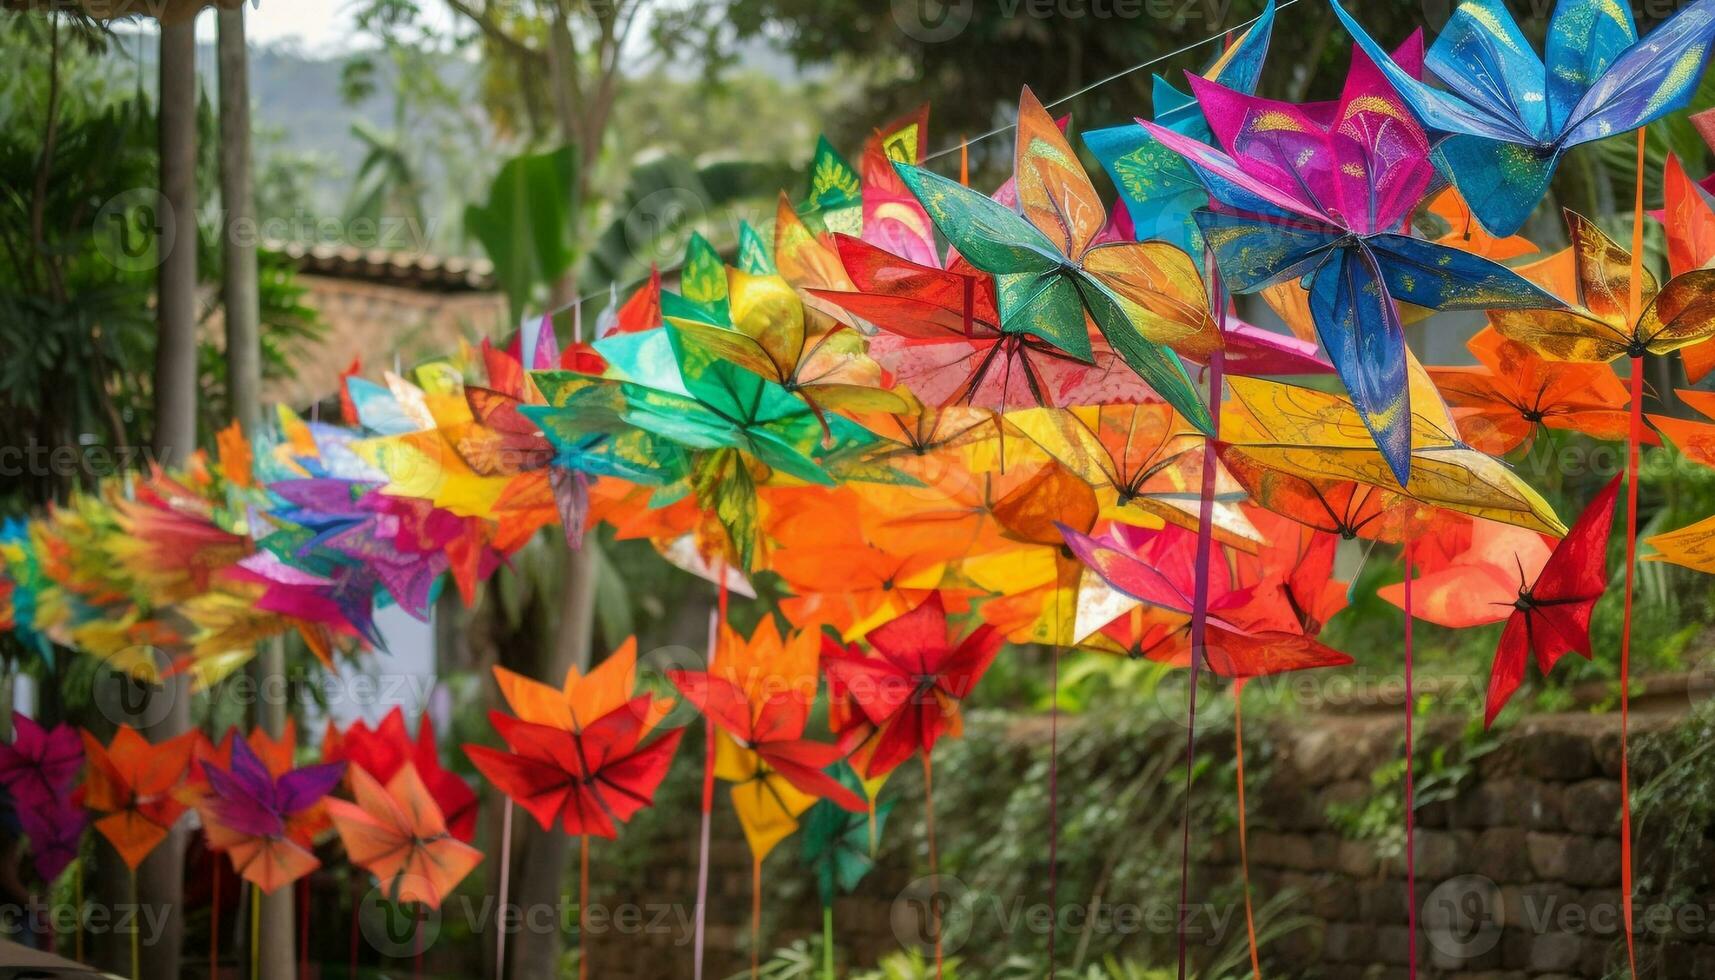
321, 25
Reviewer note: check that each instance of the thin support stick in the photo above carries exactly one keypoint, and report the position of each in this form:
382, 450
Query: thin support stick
583, 906
717, 618
136, 934
1054, 762
356, 906
755, 918
934, 860
214, 919
304, 929
505, 889
1244, 846
1199, 623
1634, 437
827, 942
1410, 781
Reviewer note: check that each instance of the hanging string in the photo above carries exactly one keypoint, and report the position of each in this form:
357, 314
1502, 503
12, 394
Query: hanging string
963, 147
1098, 83
1244, 846
214, 919
755, 918
583, 906
304, 928
505, 883
1410, 784
827, 942
136, 936
873, 841
1200, 613
1634, 437
77, 899
716, 619
356, 905
1054, 763
255, 933
934, 862
53, 935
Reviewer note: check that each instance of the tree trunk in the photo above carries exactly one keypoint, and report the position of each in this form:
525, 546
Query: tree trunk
562, 72
539, 857
160, 880
238, 289
242, 302
176, 278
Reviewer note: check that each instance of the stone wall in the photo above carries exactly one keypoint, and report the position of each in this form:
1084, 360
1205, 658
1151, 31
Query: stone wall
1517, 874
1517, 870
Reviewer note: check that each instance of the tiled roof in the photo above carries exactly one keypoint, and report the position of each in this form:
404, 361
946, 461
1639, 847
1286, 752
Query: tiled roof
415, 270
383, 308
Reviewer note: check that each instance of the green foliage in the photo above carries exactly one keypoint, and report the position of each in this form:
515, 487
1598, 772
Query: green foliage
528, 225
78, 325
913, 965
78, 255
387, 183
1441, 769
1673, 807
1231, 961
800, 961
1095, 680
666, 199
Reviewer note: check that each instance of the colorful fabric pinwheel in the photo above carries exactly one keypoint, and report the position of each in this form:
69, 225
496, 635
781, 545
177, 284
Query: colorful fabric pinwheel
130, 785
911, 688
941, 335
757, 695
1545, 597
1159, 190
1509, 116
1603, 327
738, 429
587, 782
772, 335
386, 749
1313, 434
262, 820
1157, 568
397, 832
1324, 200
1144, 461
1500, 404
38, 770
893, 221
1052, 278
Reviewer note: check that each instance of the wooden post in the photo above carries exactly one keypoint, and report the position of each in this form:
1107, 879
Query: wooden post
160, 879
242, 304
